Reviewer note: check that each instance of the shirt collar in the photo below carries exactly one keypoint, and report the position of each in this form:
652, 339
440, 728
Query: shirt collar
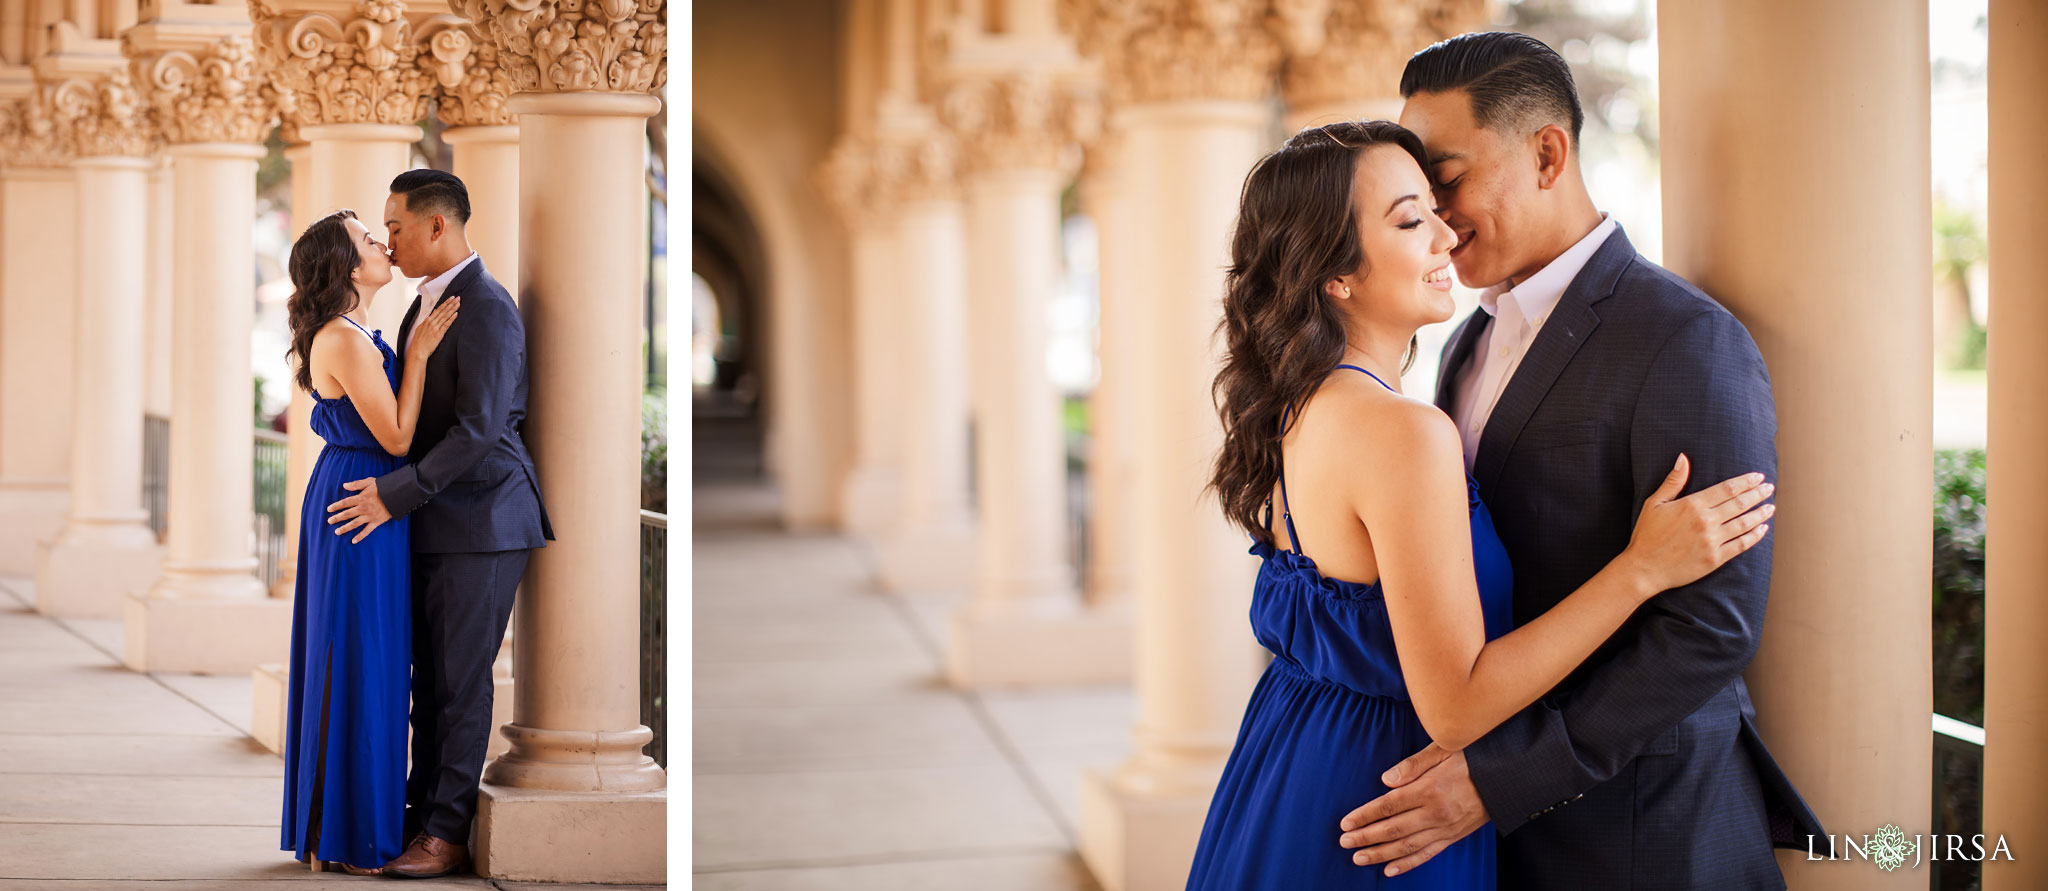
433, 287
1539, 293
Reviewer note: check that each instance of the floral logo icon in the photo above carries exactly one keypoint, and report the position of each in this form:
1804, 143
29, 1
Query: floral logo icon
1888, 848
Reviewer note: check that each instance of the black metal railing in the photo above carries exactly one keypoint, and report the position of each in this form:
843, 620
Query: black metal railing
156, 470
654, 631
273, 457
1958, 798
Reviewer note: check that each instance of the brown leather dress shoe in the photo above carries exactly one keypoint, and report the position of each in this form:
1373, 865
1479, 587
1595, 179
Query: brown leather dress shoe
428, 857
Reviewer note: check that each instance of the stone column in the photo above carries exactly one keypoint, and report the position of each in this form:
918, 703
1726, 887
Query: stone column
106, 550
156, 374
1191, 81
2016, 666
931, 546
302, 445
872, 495
1018, 130
208, 613
1844, 663
38, 268
1112, 454
575, 799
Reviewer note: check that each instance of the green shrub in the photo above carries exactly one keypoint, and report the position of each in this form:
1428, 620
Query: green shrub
654, 451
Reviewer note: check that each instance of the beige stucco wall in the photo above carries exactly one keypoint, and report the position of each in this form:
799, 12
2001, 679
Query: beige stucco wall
765, 110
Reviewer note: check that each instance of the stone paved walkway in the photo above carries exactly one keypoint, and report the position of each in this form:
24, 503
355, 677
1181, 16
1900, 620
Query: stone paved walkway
829, 755
112, 780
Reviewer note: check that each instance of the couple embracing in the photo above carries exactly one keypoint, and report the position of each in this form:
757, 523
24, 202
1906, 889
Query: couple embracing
418, 520
1509, 624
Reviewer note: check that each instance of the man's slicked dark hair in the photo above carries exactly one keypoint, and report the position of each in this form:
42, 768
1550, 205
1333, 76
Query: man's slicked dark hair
430, 191
1513, 79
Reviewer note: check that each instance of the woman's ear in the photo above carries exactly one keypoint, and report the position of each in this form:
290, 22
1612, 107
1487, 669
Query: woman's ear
1337, 289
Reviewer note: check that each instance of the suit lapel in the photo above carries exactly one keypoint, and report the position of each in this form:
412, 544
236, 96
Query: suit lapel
412, 314
1463, 341
1563, 333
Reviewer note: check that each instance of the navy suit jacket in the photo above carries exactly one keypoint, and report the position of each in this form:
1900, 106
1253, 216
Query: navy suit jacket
468, 482
1643, 768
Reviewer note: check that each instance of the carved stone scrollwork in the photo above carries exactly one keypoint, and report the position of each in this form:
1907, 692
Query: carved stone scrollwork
326, 71
107, 116
1023, 120
32, 130
212, 95
617, 46
1345, 52
1176, 50
472, 74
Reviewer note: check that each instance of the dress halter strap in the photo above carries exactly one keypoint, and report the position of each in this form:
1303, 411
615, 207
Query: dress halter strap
1286, 515
366, 331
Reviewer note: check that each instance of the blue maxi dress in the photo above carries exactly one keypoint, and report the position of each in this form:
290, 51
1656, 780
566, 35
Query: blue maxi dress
1330, 714
345, 745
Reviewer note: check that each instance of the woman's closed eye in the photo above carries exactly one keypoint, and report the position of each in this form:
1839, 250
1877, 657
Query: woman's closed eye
1410, 224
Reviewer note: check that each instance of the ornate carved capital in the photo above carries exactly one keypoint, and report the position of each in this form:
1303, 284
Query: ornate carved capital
1347, 52
214, 94
365, 70
616, 46
848, 181
1173, 50
1025, 120
33, 131
472, 74
923, 166
107, 116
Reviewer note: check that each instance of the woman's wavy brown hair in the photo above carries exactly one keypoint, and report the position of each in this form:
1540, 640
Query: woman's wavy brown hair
320, 263
1295, 230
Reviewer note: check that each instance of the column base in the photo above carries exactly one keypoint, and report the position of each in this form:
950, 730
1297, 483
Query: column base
270, 705
91, 577
929, 558
596, 837
1134, 842
206, 635
1042, 641
31, 513
870, 501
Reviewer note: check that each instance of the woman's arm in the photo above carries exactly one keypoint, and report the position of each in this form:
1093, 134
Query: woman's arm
1461, 684
358, 366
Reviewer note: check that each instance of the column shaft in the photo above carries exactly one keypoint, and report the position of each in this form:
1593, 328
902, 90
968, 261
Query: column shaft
106, 550
302, 445
37, 286
1112, 459
2015, 614
1834, 289
487, 160
932, 545
873, 492
157, 369
209, 612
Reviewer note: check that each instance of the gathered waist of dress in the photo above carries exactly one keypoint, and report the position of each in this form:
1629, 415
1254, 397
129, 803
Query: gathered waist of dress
1287, 666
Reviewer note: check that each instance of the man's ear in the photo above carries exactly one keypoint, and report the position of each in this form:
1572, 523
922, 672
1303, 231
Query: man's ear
1553, 152
438, 226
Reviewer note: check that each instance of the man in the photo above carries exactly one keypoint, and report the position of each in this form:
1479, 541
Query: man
470, 487
1585, 372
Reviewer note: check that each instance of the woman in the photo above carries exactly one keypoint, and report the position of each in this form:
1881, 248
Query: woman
1396, 632
345, 746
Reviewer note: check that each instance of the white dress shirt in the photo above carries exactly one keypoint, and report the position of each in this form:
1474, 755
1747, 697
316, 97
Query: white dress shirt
431, 289
1518, 314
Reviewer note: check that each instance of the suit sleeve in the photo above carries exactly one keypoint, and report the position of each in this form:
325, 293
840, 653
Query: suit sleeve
490, 348
1709, 396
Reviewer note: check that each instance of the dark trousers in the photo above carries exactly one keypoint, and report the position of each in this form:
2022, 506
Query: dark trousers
460, 606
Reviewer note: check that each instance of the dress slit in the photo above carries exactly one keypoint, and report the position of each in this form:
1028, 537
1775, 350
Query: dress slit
320, 761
